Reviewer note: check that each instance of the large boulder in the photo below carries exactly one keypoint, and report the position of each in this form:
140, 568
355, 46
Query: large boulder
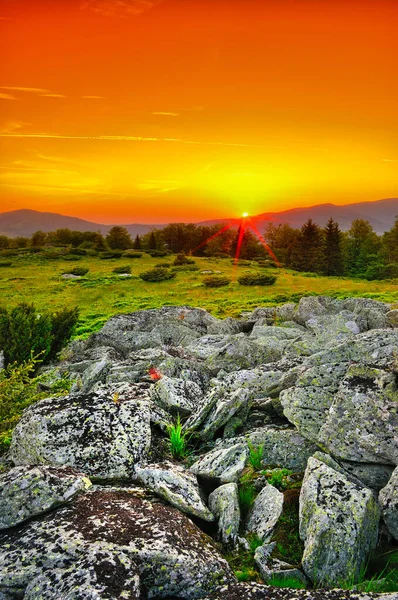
265, 512
176, 485
224, 504
114, 543
102, 433
176, 395
388, 499
338, 524
29, 491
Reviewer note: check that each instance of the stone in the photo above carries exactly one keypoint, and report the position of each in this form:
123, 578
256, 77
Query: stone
392, 318
224, 505
272, 567
29, 491
265, 512
338, 525
371, 475
388, 500
178, 396
373, 312
176, 485
102, 433
224, 465
112, 543
97, 372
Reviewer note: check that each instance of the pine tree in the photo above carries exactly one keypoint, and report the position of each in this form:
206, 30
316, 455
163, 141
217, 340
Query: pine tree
333, 255
119, 238
307, 254
137, 243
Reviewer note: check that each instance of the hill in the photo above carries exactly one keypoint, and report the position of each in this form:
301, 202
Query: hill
381, 214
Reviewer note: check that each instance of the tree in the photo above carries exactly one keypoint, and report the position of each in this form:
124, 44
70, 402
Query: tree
118, 238
4, 242
281, 239
152, 241
361, 247
390, 244
333, 253
307, 252
38, 239
137, 243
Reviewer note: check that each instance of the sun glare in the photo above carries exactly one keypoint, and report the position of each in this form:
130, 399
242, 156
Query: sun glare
245, 214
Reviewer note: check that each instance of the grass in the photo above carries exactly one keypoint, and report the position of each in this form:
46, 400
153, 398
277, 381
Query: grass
178, 440
289, 547
102, 293
255, 458
286, 582
247, 495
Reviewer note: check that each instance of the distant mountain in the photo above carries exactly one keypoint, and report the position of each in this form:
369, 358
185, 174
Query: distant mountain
381, 215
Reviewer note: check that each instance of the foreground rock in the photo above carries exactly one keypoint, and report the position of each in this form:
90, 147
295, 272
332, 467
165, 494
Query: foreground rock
388, 499
256, 591
338, 524
224, 504
29, 491
265, 512
103, 433
115, 544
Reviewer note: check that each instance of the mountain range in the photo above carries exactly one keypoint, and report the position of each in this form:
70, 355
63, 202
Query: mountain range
381, 214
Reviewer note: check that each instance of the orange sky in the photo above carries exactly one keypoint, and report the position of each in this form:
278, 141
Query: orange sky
161, 110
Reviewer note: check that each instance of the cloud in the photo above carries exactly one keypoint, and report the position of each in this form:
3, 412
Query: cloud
158, 185
7, 97
123, 138
390, 160
167, 114
12, 126
53, 96
94, 97
120, 8
25, 89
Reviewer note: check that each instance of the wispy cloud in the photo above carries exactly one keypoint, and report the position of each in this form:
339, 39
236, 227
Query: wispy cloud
12, 126
167, 114
158, 185
120, 8
390, 160
124, 138
7, 97
53, 96
94, 97
33, 90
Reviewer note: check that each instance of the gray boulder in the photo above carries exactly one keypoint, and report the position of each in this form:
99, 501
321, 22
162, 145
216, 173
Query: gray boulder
392, 318
388, 500
224, 505
112, 543
265, 512
101, 433
29, 491
224, 465
176, 485
178, 396
338, 524
272, 567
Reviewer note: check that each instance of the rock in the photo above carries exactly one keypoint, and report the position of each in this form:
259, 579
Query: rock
2, 360
224, 465
223, 408
102, 433
224, 505
178, 396
392, 318
29, 491
272, 567
338, 524
97, 372
313, 306
265, 512
176, 485
373, 312
370, 475
388, 500
104, 541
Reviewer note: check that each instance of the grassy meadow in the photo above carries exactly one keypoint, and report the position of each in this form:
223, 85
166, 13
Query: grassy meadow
102, 293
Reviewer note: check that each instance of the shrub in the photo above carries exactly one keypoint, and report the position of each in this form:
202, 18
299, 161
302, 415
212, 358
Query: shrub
5, 263
18, 389
78, 251
278, 478
182, 259
163, 265
158, 253
131, 254
24, 332
255, 456
122, 269
157, 274
71, 258
79, 271
247, 494
110, 254
178, 440
216, 281
257, 279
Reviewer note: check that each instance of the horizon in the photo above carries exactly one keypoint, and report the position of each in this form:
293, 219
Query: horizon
174, 111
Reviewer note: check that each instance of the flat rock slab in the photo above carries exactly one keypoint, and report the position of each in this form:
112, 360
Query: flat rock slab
176, 485
101, 433
224, 465
26, 492
115, 543
265, 512
338, 524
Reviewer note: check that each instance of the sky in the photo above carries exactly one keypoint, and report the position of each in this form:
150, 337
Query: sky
152, 111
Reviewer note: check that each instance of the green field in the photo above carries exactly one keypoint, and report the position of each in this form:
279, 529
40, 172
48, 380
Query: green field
101, 293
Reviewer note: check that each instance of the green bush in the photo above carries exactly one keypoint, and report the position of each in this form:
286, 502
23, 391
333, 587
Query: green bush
279, 478
18, 389
157, 274
111, 254
178, 440
131, 254
79, 271
216, 281
182, 259
5, 263
126, 269
163, 265
255, 458
256, 279
247, 495
71, 258
24, 332
78, 251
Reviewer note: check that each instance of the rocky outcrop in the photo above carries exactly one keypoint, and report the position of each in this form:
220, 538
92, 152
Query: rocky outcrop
338, 524
388, 499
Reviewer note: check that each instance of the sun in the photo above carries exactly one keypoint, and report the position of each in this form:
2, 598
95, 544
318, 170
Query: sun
245, 214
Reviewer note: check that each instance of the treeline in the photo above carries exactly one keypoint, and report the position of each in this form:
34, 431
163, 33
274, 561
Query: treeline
358, 252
